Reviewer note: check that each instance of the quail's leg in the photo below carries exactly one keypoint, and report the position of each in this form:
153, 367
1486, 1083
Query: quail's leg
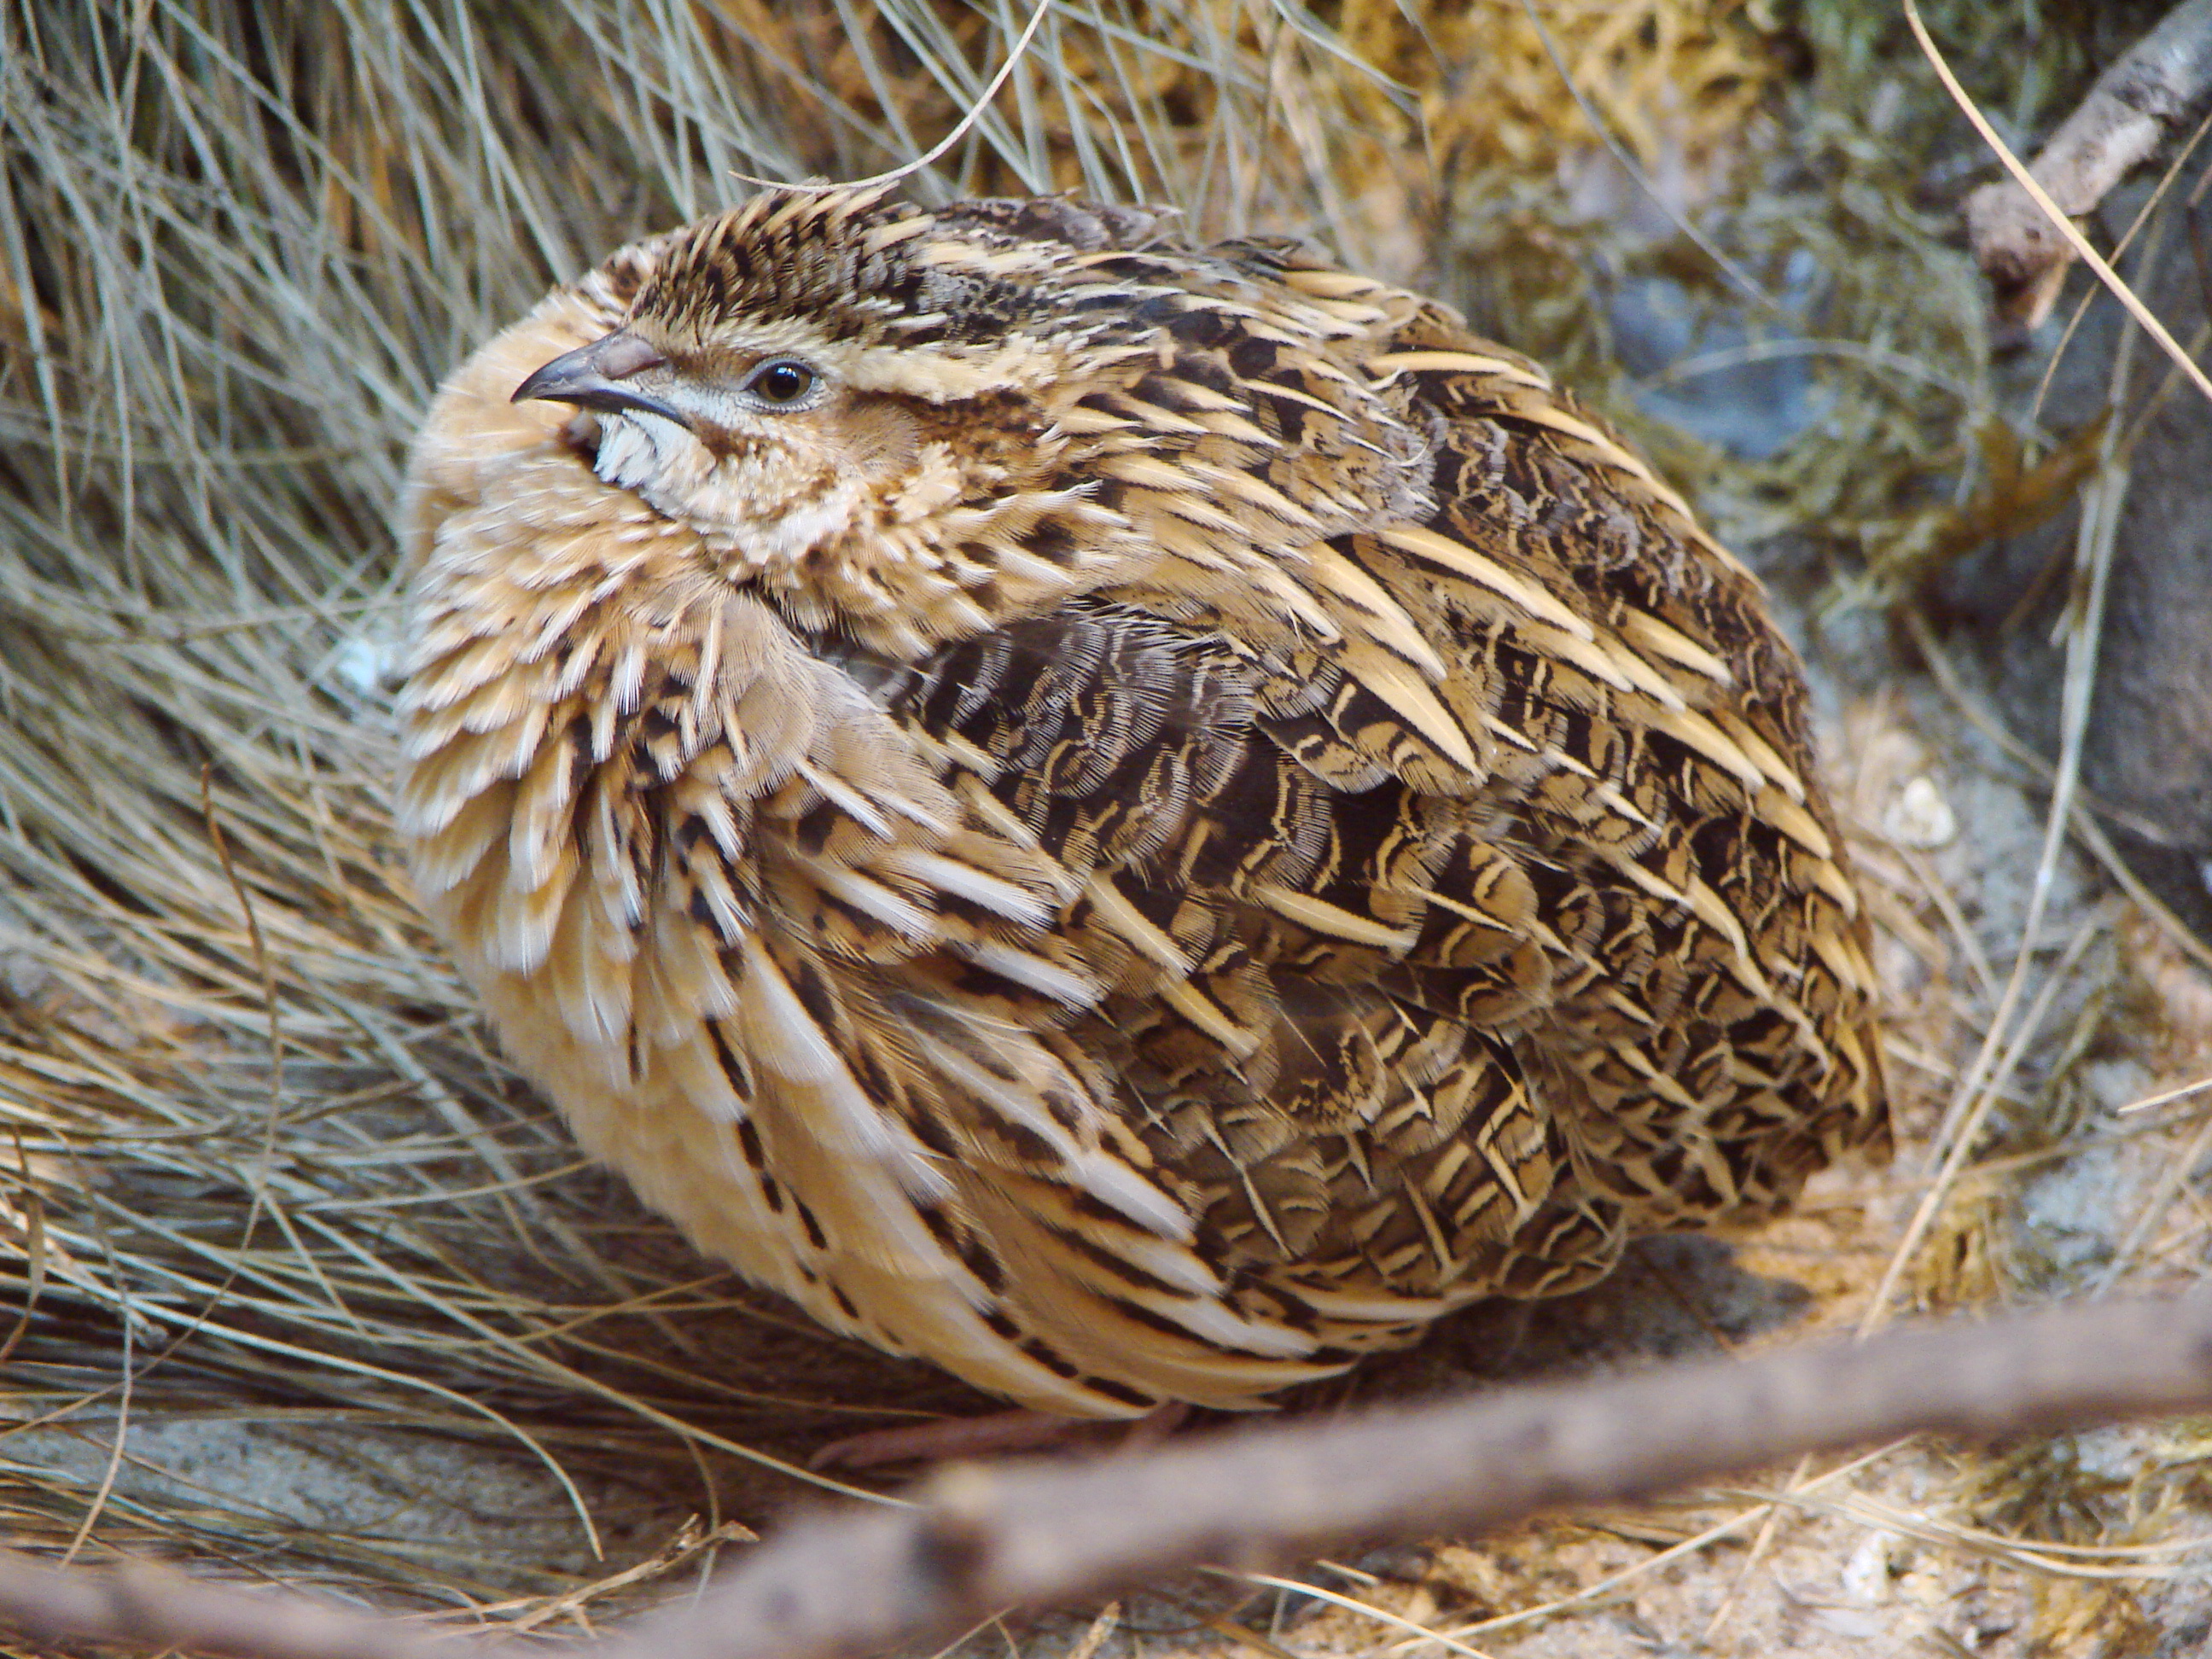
992, 1436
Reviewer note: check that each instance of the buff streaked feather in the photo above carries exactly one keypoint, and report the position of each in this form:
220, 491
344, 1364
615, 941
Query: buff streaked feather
1127, 843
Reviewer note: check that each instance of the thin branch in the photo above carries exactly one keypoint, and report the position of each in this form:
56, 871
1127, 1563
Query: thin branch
2059, 222
983, 1540
1032, 1536
144, 1607
2152, 91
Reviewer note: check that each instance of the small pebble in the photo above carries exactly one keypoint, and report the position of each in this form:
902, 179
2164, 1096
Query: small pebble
1920, 817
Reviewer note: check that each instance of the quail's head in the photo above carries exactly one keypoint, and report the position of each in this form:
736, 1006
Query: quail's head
853, 401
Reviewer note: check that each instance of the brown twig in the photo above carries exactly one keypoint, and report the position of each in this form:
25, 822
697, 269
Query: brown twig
2152, 90
142, 1605
1033, 1535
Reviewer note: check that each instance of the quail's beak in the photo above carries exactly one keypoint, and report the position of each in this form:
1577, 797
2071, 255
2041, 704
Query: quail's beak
597, 376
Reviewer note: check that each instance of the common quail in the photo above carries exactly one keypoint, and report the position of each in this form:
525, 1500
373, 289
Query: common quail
1138, 820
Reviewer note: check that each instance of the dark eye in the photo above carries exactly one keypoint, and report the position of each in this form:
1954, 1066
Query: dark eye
782, 381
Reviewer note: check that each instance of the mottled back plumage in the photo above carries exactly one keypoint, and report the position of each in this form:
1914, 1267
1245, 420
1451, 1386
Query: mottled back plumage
1138, 821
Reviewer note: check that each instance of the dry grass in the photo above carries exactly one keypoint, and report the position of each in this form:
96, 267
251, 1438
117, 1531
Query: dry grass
312, 1287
